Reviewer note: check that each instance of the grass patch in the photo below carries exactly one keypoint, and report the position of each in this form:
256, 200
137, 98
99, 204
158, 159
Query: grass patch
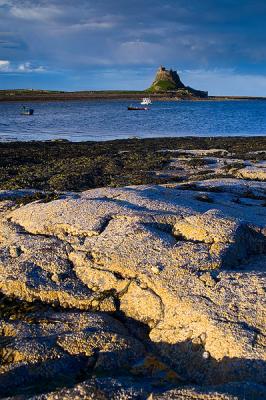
162, 86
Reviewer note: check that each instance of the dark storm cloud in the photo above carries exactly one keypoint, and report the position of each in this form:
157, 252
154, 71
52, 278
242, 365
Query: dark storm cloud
72, 37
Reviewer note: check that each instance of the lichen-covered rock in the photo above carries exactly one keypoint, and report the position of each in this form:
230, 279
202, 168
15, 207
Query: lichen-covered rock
61, 345
100, 389
231, 391
126, 388
230, 241
190, 270
132, 302
252, 172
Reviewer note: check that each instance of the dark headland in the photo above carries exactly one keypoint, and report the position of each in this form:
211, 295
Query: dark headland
167, 86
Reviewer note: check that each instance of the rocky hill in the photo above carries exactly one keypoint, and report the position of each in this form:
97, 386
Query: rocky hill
169, 81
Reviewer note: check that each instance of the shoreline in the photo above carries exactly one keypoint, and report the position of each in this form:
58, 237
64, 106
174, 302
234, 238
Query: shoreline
9, 96
162, 139
137, 138
103, 242
77, 166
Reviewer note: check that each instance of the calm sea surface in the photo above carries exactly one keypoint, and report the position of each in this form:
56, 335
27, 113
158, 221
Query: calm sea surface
106, 120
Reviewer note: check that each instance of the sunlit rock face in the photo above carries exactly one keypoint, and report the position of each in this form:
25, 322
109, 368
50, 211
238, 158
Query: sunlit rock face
169, 76
165, 282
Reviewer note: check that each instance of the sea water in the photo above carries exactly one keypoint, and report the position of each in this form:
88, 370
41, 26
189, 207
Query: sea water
107, 120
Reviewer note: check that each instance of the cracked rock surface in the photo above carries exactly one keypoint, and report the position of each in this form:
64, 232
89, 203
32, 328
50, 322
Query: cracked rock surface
181, 266
59, 345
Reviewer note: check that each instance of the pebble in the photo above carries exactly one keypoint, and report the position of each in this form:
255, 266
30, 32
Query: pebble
156, 269
143, 285
15, 251
95, 303
205, 355
203, 337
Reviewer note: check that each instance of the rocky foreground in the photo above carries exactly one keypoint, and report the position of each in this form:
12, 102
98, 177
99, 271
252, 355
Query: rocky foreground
139, 292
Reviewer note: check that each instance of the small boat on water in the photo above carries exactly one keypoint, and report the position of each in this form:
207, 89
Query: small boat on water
146, 101
133, 108
26, 111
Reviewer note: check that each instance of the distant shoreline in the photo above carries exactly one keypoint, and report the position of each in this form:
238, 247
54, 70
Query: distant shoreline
37, 96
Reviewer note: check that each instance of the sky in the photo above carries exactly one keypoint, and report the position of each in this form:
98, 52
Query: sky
215, 45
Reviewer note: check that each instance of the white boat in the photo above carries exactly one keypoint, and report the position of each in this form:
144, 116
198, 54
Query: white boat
146, 101
26, 111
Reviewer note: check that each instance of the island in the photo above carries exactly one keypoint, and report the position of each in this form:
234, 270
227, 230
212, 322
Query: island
168, 81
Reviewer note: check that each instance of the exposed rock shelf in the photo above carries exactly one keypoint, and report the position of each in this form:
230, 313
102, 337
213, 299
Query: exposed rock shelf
185, 261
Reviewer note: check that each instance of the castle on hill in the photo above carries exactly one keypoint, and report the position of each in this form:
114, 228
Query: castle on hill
169, 81
168, 75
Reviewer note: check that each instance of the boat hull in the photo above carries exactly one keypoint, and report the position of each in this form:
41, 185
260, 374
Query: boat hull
28, 112
137, 108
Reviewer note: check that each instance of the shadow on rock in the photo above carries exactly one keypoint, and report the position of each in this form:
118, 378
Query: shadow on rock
164, 367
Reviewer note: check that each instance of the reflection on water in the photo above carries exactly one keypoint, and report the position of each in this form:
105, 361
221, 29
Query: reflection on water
106, 120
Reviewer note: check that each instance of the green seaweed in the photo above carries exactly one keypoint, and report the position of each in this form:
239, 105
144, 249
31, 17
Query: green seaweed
61, 165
